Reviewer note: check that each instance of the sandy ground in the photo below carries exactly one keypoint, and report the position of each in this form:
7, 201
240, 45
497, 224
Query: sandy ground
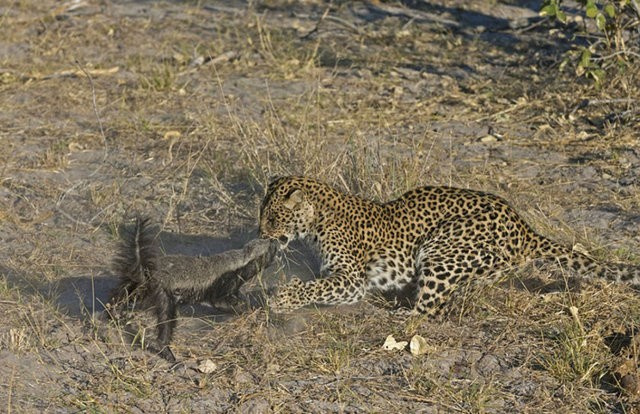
184, 110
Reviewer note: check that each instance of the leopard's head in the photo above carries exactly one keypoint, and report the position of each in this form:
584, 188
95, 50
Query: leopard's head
286, 212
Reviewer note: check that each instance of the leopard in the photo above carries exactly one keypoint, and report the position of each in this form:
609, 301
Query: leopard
430, 241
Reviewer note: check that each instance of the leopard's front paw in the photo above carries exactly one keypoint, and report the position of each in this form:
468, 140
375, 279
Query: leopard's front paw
288, 297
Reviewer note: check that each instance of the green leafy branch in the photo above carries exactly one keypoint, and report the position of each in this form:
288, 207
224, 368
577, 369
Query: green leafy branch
614, 34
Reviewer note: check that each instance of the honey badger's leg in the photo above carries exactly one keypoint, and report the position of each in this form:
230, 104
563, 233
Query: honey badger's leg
165, 311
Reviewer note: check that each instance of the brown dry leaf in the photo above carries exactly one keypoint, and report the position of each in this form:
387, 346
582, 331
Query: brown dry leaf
71, 73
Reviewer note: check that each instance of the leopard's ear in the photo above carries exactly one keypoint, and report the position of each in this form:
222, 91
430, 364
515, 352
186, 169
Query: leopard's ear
293, 199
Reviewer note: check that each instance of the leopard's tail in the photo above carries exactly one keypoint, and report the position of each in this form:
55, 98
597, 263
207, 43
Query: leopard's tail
136, 259
583, 265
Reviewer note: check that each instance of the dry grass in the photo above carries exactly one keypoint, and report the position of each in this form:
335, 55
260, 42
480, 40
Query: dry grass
185, 111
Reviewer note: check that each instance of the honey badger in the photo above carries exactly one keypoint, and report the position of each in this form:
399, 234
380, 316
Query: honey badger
161, 282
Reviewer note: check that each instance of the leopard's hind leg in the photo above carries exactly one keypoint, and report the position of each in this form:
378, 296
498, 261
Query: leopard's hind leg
445, 265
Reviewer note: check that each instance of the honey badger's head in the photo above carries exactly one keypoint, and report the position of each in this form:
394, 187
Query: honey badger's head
286, 212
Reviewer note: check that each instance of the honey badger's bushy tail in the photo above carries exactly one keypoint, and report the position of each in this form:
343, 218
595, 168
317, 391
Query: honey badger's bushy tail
135, 263
136, 259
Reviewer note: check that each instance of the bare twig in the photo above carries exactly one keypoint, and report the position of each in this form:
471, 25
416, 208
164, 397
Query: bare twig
202, 61
504, 111
344, 23
417, 15
97, 114
532, 26
70, 73
621, 116
335, 19
592, 102
71, 218
636, 7
620, 52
